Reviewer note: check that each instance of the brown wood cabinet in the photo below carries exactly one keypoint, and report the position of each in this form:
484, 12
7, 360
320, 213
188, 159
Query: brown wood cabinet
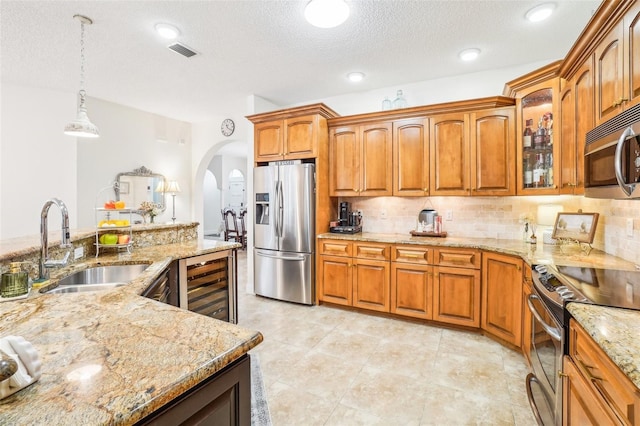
581, 406
537, 112
527, 316
360, 160
617, 71
411, 157
595, 388
456, 288
412, 281
473, 153
354, 274
502, 296
577, 117
291, 134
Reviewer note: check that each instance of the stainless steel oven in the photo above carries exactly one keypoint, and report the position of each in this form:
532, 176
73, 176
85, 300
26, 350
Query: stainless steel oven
554, 287
544, 383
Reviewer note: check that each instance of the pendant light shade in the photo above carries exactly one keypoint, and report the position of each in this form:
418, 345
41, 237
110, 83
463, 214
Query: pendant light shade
82, 127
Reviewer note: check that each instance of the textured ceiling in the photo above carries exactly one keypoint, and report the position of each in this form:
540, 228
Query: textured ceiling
266, 48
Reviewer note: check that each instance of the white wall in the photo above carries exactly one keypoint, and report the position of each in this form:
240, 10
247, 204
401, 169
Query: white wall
131, 138
448, 89
211, 202
38, 161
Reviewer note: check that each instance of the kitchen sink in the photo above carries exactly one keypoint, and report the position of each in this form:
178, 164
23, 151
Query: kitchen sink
78, 288
99, 278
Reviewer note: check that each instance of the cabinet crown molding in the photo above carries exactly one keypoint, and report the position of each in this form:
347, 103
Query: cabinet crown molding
533, 78
320, 109
423, 111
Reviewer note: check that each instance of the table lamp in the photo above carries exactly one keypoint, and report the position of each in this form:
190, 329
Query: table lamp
173, 188
547, 214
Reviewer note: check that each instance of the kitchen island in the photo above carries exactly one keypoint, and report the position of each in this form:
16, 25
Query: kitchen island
115, 357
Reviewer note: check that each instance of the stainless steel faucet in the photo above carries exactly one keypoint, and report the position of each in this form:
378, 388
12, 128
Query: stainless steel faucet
44, 237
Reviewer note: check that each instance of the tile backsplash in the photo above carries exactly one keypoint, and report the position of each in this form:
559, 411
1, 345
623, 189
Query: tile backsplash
499, 217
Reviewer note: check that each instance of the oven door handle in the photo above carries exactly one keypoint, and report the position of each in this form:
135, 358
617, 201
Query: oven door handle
552, 331
617, 165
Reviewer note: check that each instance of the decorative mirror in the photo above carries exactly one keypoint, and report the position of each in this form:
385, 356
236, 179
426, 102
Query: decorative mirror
140, 185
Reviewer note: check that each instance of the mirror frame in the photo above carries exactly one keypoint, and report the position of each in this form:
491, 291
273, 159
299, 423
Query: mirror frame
141, 172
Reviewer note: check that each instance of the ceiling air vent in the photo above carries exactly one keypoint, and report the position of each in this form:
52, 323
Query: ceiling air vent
185, 51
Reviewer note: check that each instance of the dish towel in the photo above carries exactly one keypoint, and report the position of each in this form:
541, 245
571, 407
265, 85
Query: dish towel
29, 365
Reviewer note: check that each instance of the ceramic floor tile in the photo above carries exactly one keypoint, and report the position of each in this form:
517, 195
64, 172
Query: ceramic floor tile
326, 376
330, 366
387, 395
290, 406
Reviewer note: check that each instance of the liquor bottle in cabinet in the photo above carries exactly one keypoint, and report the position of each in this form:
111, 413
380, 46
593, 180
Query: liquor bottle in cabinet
527, 137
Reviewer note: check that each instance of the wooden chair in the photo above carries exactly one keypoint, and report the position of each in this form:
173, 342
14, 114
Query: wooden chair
231, 226
243, 228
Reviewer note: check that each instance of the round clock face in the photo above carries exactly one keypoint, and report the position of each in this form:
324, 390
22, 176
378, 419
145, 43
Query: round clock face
228, 126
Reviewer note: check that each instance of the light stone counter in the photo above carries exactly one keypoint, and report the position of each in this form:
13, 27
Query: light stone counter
569, 255
114, 357
616, 331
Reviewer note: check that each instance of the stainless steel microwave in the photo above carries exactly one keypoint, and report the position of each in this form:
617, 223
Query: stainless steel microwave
612, 157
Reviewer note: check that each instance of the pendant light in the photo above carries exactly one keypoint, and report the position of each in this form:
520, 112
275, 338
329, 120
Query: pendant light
82, 126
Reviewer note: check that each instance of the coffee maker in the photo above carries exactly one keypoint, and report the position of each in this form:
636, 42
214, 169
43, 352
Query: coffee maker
349, 222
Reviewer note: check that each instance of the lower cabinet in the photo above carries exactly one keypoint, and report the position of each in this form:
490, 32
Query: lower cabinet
580, 404
335, 276
456, 286
412, 281
371, 284
527, 317
223, 399
456, 296
354, 274
502, 297
595, 390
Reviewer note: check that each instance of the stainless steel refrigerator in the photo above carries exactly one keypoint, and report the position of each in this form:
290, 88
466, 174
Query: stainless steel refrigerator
284, 232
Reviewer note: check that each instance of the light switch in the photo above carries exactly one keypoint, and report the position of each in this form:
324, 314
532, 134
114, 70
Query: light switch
630, 227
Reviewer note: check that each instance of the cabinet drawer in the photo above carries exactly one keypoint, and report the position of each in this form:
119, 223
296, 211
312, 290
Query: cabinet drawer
335, 247
605, 378
412, 254
371, 251
460, 258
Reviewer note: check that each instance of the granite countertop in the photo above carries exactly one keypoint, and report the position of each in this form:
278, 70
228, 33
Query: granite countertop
616, 331
568, 255
113, 357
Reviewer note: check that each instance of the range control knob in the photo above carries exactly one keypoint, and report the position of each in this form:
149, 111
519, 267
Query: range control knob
567, 295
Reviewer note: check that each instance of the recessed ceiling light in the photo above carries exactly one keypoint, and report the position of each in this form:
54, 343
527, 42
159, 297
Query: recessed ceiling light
540, 12
469, 54
167, 31
326, 13
355, 76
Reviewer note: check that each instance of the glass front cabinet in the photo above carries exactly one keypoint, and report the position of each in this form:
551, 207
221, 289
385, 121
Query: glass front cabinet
538, 140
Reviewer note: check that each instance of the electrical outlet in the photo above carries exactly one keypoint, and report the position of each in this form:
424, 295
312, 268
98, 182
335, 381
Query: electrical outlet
78, 253
629, 227
383, 214
359, 212
448, 215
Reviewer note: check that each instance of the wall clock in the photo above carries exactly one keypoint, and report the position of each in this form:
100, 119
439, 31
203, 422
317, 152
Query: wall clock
228, 126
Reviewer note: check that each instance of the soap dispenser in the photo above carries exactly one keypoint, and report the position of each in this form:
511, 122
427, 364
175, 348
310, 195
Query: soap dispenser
15, 282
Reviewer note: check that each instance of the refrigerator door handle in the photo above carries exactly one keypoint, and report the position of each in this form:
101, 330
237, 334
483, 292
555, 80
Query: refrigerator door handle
277, 208
281, 256
280, 209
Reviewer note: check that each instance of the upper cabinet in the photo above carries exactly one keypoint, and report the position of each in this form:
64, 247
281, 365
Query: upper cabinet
577, 117
537, 105
457, 148
411, 157
290, 134
617, 71
473, 153
360, 160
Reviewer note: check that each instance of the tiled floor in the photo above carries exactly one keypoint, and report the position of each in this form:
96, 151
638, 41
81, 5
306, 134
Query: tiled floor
327, 366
